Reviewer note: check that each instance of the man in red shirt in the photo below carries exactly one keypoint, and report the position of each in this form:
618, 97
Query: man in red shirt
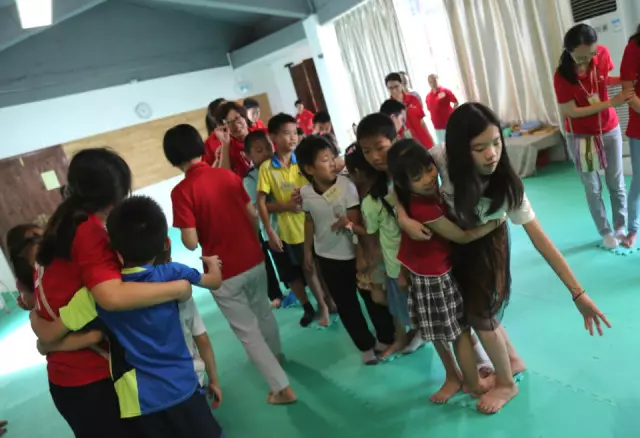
630, 77
212, 208
304, 118
415, 111
440, 103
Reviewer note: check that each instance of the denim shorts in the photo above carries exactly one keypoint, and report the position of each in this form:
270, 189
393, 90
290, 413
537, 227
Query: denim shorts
398, 302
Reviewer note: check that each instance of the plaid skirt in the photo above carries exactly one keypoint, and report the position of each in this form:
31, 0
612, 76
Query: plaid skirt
435, 307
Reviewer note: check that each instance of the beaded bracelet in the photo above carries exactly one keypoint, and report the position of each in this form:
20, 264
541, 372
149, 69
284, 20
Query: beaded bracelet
578, 296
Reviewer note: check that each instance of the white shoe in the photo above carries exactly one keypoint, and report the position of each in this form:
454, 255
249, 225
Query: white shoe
610, 241
415, 343
620, 235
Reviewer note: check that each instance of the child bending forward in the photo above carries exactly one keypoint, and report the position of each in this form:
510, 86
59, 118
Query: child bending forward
435, 302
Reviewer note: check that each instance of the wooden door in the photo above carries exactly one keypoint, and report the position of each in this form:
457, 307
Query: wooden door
307, 85
23, 195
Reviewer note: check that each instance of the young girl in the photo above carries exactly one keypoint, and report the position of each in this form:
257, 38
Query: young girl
478, 184
435, 302
331, 206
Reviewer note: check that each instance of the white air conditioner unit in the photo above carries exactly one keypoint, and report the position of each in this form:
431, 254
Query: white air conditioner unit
608, 18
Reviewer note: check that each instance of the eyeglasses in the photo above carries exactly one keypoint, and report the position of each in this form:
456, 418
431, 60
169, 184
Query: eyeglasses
238, 121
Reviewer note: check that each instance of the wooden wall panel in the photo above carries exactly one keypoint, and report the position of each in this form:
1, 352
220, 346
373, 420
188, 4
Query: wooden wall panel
141, 145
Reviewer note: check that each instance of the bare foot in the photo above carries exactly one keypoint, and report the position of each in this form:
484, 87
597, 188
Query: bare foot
630, 240
517, 365
485, 384
393, 349
284, 397
275, 304
485, 371
493, 401
449, 389
323, 318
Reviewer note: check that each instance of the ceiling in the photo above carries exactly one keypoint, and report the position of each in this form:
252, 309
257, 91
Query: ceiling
262, 17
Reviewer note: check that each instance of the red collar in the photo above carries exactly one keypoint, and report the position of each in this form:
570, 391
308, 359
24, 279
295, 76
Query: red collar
195, 167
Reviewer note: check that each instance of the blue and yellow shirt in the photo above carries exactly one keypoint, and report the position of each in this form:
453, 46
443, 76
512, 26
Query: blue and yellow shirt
151, 365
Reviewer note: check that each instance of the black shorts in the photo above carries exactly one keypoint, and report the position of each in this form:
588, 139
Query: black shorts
191, 418
289, 262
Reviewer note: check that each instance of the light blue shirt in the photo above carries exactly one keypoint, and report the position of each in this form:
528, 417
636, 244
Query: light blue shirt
251, 186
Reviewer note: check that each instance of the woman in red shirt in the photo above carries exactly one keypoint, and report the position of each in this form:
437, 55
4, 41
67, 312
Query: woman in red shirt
440, 102
75, 253
415, 111
235, 128
630, 77
592, 126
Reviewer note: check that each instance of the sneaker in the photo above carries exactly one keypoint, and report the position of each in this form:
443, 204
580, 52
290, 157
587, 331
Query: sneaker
415, 343
307, 318
610, 241
621, 235
289, 301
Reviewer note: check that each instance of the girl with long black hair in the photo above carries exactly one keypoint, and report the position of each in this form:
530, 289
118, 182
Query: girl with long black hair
630, 80
592, 126
479, 184
74, 254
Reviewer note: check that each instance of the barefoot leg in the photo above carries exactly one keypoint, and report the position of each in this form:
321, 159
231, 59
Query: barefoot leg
399, 343
630, 240
463, 347
316, 288
453, 382
284, 397
517, 364
505, 388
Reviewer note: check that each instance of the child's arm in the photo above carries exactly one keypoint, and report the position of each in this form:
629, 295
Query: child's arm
274, 240
309, 230
454, 233
203, 343
213, 278
116, 295
71, 342
355, 217
413, 228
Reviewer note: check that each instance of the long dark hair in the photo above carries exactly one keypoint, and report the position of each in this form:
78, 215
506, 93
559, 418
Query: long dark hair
408, 161
578, 35
505, 187
97, 179
636, 36
19, 246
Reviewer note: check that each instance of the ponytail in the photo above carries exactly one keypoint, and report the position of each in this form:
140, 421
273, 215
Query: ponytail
567, 67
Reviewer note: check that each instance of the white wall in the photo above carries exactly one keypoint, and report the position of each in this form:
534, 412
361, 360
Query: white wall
269, 75
28, 127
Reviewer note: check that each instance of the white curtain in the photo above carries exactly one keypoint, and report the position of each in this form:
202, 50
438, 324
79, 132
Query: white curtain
508, 51
371, 48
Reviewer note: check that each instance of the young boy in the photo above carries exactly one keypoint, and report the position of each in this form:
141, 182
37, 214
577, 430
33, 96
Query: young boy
322, 123
152, 368
212, 208
280, 177
258, 147
398, 113
304, 118
332, 215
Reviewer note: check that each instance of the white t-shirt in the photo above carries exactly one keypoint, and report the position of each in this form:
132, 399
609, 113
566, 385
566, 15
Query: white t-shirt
520, 216
192, 325
324, 210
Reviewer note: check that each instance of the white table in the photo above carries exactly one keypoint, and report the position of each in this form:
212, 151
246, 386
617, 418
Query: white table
523, 150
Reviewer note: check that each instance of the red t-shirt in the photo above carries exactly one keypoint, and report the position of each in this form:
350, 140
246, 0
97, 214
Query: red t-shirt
259, 124
93, 262
430, 258
439, 106
305, 121
214, 202
593, 83
415, 115
630, 71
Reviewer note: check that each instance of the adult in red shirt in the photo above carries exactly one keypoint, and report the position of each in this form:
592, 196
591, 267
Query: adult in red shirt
233, 128
304, 118
75, 253
630, 77
440, 103
580, 84
415, 111
212, 208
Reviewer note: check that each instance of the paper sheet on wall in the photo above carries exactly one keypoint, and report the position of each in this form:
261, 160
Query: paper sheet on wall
50, 180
